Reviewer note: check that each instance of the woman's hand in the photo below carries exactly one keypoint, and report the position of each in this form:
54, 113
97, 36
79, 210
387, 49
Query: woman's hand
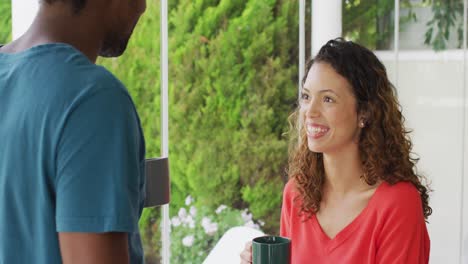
246, 254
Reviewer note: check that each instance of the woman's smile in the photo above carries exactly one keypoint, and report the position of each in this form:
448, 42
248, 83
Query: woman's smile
316, 131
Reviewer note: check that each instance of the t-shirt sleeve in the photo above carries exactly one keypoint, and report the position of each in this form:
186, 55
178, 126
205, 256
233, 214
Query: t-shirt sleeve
404, 238
100, 166
286, 208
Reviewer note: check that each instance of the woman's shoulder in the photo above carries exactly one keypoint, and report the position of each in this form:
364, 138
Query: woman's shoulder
290, 193
402, 189
398, 197
289, 189
289, 186
292, 200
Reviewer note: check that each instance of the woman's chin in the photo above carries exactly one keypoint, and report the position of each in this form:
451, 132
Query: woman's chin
316, 149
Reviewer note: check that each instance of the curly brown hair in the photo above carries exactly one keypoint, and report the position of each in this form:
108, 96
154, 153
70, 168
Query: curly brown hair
384, 144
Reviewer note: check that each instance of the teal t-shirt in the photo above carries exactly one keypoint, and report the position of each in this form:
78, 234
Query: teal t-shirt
71, 154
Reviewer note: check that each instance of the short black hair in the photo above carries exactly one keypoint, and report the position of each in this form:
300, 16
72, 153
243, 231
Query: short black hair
77, 5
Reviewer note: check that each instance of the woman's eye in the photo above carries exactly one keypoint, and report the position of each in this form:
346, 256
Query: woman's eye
327, 99
305, 97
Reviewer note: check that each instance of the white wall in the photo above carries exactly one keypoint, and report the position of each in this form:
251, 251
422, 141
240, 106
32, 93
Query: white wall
465, 176
23, 13
431, 89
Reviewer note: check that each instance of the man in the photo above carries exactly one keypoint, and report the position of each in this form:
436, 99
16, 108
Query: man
71, 146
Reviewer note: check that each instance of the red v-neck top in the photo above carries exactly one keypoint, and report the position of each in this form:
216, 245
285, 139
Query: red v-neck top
390, 230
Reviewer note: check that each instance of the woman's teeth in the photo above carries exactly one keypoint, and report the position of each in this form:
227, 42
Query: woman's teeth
316, 130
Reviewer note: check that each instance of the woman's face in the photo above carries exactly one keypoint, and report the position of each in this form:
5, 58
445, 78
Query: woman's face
328, 110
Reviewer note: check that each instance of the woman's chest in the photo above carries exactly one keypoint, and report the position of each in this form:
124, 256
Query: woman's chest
355, 243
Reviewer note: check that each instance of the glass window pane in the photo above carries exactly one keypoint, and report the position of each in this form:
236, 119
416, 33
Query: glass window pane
436, 25
369, 22
430, 87
431, 92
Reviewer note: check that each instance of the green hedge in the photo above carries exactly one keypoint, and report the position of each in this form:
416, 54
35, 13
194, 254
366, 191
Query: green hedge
233, 81
5, 21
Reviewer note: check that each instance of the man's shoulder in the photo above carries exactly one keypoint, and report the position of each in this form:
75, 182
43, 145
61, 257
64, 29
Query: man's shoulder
76, 70
63, 65
73, 75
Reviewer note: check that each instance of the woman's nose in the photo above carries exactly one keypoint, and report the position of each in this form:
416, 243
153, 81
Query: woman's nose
313, 109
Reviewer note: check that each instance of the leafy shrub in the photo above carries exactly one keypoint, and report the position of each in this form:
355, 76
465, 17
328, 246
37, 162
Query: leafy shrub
5, 21
233, 82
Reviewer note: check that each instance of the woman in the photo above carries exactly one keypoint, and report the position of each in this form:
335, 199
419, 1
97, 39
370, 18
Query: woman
354, 195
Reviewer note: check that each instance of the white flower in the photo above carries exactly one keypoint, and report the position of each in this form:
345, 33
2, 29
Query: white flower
209, 227
193, 211
246, 216
182, 213
192, 225
261, 222
251, 224
188, 200
221, 208
175, 221
205, 221
189, 221
188, 241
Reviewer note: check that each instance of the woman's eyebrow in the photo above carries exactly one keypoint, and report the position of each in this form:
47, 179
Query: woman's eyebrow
328, 90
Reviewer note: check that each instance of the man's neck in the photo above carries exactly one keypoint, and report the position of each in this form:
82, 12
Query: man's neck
53, 25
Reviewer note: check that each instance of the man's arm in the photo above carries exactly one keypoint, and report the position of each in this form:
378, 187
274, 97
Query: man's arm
94, 248
100, 179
